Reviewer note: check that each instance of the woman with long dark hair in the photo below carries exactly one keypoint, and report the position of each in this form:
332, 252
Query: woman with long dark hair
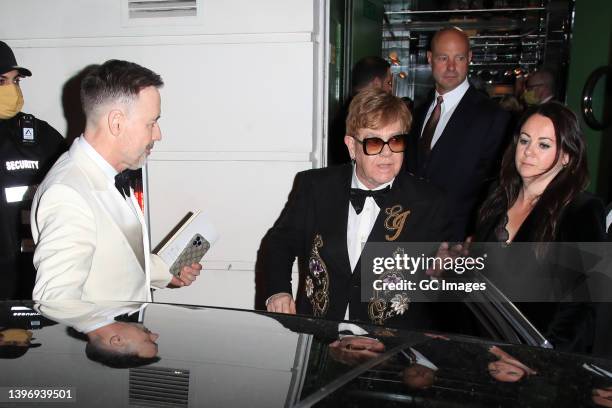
541, 199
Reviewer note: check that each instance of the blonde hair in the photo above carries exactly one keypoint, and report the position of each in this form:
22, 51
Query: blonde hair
374, 109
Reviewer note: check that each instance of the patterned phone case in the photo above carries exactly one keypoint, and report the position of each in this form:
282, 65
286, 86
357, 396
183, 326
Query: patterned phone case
192, 253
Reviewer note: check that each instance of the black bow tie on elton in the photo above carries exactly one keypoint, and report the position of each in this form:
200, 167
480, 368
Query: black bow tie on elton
358, 197
122, 182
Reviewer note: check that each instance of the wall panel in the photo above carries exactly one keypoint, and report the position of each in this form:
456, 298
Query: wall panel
241, 110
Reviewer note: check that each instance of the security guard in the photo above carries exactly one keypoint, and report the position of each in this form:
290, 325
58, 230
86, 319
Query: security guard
28, 148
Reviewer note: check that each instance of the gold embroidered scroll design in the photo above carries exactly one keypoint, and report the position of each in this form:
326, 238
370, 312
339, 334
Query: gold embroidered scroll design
317, 281
396, 218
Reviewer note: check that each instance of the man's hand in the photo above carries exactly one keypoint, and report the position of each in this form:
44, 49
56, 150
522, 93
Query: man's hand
446, 251
602, 396
353, 350
281, 303
186, 277
507, 358
436, 336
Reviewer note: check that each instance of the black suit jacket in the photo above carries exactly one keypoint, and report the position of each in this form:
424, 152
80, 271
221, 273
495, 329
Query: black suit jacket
609, 232
465, 158
569, 326
317, 210
337, 152
582, 220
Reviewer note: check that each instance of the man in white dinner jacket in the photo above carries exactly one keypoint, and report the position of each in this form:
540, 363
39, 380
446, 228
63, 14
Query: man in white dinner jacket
90, 234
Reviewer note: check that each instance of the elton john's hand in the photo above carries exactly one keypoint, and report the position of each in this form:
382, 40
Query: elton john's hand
186, 277
281, 303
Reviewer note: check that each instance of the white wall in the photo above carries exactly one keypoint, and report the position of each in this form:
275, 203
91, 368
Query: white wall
241, 110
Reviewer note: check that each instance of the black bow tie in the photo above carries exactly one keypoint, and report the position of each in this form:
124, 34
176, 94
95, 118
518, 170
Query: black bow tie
122, 182
128, 318
358, 197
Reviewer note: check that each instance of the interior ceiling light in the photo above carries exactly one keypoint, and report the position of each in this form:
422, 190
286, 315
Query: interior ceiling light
394, 58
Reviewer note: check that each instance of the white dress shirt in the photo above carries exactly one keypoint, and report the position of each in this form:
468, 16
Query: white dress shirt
109, 171
547, 99
360, 225
451, 100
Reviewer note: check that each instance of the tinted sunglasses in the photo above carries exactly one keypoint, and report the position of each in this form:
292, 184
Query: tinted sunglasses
374, 145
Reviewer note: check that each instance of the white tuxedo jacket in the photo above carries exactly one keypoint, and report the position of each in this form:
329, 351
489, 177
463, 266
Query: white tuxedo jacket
83, 249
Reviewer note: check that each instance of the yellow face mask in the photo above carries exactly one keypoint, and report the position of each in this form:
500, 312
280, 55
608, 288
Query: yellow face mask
15, 337
530, 97
11, 101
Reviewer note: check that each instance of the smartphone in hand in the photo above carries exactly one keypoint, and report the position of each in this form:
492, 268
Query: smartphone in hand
193, 252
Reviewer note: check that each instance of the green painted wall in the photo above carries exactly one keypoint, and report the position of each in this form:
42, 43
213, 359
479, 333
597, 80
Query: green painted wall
337, 29
591, 47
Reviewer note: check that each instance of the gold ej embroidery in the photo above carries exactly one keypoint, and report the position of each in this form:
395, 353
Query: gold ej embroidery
395, 221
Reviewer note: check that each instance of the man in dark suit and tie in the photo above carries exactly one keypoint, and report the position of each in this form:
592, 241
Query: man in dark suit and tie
457, 138
368, 72
333, 212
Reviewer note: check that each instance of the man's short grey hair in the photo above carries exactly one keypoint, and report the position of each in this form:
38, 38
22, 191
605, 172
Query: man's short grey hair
114, 81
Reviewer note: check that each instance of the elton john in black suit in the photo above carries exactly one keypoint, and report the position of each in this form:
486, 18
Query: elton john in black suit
317, 224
